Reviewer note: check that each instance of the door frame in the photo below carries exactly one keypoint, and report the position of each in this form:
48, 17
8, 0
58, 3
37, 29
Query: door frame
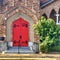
13, 18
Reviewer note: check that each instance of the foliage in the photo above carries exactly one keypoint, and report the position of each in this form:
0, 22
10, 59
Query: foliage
48, 32
56, 48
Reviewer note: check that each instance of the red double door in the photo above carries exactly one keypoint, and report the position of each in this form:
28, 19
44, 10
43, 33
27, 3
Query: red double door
20, 32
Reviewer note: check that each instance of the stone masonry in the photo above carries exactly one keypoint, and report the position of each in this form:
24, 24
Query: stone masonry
29, 7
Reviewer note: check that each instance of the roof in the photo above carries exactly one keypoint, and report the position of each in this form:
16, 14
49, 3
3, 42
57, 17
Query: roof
44, 3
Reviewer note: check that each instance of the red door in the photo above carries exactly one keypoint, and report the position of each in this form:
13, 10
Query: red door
20, 32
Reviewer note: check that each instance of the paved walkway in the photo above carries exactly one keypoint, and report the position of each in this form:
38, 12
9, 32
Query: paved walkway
31, 56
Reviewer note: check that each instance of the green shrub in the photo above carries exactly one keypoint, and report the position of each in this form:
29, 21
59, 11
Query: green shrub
48, 32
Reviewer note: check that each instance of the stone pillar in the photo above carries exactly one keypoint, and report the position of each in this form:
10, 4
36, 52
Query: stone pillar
57, 18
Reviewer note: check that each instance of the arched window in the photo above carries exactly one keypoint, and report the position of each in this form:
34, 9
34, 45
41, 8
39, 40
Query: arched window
45, 15
52, 15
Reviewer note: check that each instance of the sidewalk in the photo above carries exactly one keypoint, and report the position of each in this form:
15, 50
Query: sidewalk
31, 56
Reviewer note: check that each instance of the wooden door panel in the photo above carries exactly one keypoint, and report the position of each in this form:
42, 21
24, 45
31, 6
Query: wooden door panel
20, 33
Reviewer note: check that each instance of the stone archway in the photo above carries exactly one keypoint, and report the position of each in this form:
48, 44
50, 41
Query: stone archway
13, 18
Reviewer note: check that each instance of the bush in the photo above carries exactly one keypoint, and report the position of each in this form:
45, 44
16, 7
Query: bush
48, 32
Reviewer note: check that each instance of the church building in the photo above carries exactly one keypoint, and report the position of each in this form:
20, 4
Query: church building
16, 23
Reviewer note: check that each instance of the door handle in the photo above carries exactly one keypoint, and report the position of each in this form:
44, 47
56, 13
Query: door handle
20, 36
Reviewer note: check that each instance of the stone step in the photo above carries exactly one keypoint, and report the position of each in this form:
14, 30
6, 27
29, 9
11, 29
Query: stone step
19, 48
22, 50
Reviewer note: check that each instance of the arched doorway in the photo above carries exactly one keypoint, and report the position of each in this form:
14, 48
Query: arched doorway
18, 17
20, 32
25, 18
45, 15
52, 15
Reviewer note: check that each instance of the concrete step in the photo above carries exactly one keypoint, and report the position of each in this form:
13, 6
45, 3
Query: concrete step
20, 50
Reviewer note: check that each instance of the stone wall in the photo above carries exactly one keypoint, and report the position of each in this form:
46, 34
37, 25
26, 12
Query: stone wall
21, 7
33, 5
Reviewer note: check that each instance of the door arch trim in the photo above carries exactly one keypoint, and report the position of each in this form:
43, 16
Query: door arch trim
13, 18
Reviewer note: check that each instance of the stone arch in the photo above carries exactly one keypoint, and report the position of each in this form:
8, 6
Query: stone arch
52, 15
25, 17
44, 15
26, 14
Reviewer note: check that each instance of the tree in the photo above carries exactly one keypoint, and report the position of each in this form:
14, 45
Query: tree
48, 32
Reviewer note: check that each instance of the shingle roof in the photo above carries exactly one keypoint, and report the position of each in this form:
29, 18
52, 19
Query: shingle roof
45, 2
